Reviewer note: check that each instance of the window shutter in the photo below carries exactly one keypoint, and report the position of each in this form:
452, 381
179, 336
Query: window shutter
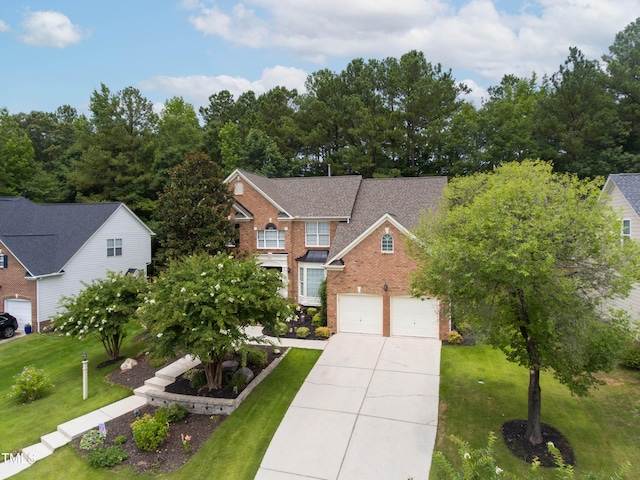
4, 261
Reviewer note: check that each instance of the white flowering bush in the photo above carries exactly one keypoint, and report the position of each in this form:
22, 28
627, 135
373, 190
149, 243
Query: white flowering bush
202, 305
102, 309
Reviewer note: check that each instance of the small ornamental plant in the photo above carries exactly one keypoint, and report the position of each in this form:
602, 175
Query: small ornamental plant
323, 332
148, 432
32, 383
186, 442
302, 332
91, 440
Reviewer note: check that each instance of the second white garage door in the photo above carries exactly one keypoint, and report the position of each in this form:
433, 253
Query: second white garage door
414, 317
360, 313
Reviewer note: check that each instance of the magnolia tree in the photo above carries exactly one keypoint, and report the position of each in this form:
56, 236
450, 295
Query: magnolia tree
532, 258
102, 309
202, 305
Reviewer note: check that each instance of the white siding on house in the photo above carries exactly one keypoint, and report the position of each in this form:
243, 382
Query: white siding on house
619, 203
91, 261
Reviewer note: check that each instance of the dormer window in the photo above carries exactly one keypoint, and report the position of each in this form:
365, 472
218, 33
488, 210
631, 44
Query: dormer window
317, 234
387, 243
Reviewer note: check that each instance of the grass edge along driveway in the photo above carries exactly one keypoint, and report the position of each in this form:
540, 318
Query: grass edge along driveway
236, 448
480, 390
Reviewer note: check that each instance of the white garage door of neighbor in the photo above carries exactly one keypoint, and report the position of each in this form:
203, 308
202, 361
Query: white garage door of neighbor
360, 313
21, 309
414, 317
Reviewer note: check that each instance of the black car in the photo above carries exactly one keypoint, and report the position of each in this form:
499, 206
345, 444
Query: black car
8, 325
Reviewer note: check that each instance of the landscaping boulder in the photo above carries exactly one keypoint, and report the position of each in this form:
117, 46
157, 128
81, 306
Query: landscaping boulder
230, 366
128, 364
248, 374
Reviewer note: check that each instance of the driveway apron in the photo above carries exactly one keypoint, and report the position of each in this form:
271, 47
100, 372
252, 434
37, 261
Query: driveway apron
368, 410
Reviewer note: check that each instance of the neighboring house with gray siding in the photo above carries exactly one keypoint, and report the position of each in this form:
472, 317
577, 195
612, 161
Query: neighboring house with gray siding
622, 192
49, 250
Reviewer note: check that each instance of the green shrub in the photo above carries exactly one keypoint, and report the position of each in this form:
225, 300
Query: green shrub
198, 379
302, 332
463, 327
311, 311
119, 440
172, 412
323, 332
157, 362
107, 457
257, 357
148, 432
631, 356
454, 338
239, 380
91, 440
31, 384
280, 328
317, 321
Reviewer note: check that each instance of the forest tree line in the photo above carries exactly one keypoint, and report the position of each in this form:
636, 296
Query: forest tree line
377, 118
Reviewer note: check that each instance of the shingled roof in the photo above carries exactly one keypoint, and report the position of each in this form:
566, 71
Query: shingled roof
629, 186
403, 199
44, 237
309, 197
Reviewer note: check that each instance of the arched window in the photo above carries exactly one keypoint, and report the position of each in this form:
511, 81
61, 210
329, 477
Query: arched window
387, 244
238, 188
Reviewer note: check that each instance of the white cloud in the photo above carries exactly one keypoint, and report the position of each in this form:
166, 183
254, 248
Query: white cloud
198, 88
50, 29
4, 27
472, 34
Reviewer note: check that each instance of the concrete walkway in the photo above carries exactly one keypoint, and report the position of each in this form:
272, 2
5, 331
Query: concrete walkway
79, 426
368, 410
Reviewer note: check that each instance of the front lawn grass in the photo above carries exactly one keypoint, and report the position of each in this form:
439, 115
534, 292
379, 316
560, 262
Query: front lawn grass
235, 449
61, 359
480, 390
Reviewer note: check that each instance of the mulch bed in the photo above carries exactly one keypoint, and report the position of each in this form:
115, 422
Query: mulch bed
300, 321
170, 455
513, 433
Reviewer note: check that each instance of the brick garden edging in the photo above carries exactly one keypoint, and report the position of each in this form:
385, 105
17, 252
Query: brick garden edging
210, 405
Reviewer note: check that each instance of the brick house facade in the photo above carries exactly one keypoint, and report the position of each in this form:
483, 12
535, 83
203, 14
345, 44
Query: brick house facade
350, 231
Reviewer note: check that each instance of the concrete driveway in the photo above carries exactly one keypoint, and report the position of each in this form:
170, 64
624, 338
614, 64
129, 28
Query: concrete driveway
367, 410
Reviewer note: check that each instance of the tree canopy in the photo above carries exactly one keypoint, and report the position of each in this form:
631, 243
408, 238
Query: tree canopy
202, 304
194, 208
531, 258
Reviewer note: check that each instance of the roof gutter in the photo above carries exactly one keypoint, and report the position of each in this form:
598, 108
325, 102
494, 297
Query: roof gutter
48, 275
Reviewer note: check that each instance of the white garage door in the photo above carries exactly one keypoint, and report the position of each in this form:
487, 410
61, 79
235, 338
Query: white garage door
21, 309
360, 313
414, 317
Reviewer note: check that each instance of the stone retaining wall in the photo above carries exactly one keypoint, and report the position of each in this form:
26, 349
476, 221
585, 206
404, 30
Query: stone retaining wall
209, 405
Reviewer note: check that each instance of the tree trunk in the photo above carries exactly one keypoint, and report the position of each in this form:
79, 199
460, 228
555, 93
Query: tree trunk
213, 371
534, 423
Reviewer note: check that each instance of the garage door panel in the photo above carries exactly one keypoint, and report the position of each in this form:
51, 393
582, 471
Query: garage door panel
360, 313
21, 309
414, 317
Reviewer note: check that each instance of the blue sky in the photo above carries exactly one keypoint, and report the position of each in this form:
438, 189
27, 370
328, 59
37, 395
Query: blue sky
55, 53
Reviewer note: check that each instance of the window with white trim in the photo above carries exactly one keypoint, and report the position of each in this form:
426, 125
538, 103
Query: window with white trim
387, 243
271, 239
114, 247
317, 234
309, 279
626, 229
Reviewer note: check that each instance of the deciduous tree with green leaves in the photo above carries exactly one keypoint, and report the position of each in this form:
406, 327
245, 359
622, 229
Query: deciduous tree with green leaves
531, 258
202, 305
103, 309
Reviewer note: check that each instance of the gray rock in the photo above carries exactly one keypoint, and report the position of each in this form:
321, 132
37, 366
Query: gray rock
230, 366
128, 364
248, 374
